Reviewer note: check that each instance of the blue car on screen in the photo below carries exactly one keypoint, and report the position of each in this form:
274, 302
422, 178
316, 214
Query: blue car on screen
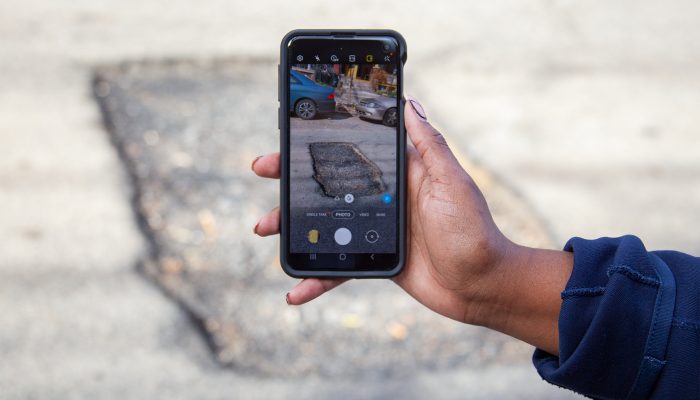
307, 98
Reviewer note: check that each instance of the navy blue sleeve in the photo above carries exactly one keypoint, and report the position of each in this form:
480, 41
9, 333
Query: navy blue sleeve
629, 326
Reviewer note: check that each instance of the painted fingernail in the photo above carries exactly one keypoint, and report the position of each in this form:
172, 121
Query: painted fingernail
286, 297
418, 109
252, 165
255, 229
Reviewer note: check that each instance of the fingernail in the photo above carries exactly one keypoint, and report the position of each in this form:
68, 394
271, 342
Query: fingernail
286, 297
418, 108
252, 165
255, 229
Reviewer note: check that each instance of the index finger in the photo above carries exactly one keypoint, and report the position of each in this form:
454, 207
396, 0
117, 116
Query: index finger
267, 166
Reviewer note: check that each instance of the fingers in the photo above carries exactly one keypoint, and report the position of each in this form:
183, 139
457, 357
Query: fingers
267, 166
309, 289
429, 142
269, 224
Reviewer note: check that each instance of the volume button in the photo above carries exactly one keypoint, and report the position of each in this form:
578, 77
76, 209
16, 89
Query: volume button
279, 116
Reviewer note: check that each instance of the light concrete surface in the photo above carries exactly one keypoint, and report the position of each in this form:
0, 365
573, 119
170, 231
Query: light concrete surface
587, 108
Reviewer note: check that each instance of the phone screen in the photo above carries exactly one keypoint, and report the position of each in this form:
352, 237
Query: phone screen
344, 98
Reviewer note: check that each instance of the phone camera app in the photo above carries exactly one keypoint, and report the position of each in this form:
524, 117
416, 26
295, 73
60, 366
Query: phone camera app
343, 140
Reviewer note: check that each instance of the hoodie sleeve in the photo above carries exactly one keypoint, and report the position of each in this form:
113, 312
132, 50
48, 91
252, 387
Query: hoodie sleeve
629, 326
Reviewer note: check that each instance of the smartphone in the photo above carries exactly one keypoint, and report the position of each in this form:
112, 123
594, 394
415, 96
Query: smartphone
343, 146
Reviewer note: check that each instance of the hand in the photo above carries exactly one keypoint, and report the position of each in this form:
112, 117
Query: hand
459, 263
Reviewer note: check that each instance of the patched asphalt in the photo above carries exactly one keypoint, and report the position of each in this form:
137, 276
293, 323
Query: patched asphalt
187, 133
342, 168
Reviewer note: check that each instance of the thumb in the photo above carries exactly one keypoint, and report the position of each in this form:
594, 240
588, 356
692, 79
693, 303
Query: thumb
429, 142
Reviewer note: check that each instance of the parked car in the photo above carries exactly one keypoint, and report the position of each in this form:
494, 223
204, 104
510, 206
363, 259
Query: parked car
308, 98
380, 108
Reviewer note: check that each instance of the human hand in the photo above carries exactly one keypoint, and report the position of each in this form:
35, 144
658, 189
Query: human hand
459, 264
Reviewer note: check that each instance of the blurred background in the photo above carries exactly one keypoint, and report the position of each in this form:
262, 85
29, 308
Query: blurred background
129, 268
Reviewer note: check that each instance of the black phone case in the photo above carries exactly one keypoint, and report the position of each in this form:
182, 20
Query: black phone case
284, 158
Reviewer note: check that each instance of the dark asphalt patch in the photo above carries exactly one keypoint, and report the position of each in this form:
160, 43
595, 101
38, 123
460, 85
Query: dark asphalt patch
341, 168
187, 133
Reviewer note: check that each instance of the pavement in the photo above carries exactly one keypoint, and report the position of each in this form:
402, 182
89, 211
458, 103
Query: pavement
183, 130
585, 109
375, 143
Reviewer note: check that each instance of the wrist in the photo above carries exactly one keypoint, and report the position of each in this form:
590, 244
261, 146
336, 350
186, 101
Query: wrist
490, 300
521, 294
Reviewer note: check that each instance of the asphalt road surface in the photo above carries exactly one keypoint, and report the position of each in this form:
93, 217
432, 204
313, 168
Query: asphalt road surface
187, 132
376, 141
313, 209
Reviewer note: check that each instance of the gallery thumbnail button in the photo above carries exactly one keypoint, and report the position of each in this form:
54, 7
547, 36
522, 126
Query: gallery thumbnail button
343, 214
313, 236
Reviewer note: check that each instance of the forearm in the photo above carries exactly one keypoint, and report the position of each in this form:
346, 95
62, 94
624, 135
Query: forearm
525, 295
